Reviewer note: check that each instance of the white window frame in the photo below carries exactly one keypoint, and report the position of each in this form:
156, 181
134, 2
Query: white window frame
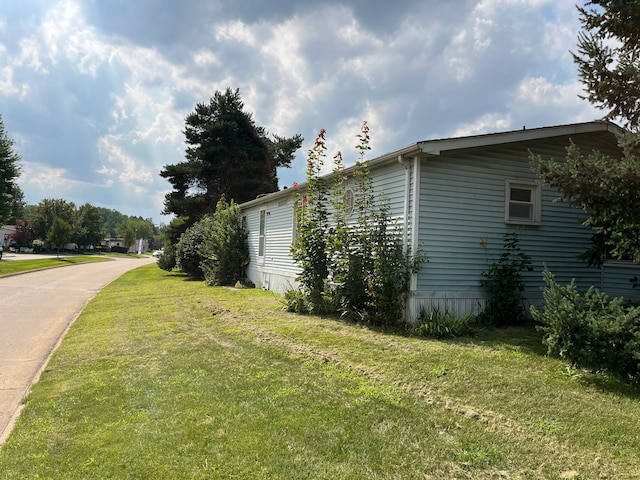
349, 202
262, 235
535, 203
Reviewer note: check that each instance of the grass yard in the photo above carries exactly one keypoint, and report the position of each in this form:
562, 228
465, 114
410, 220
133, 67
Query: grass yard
17, 266
166, 378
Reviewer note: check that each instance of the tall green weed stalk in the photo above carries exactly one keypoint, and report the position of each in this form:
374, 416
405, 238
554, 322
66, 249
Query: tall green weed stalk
310, 248
359, 269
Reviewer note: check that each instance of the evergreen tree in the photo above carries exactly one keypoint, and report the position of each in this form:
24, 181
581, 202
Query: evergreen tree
608, 57
9, 171
18, 205
227, 154
606, 187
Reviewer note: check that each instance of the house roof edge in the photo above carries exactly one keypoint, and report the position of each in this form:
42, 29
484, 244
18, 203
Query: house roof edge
437, 146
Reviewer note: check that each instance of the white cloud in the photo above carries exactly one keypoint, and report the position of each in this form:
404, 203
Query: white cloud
66, 35
205, 58
30, 56
117, 162
487, 123
236, 31
45, 178
120, 87
539, 91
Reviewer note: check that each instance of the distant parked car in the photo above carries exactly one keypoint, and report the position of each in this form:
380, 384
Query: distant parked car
157, 253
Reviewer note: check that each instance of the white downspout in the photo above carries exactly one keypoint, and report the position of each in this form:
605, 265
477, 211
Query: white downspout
407, 199
415, 218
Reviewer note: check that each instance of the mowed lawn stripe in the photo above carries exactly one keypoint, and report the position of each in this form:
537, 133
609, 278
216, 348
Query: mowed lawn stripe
161, 377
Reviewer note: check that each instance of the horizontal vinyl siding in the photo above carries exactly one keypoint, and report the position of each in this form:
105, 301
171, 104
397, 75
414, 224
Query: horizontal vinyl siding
462, 221
277, 270
388, 182
618, 279
279, 236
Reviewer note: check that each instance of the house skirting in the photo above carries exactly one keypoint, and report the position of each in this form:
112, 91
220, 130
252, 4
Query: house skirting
276, 280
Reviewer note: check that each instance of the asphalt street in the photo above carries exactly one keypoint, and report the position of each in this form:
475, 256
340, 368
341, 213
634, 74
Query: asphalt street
36, 310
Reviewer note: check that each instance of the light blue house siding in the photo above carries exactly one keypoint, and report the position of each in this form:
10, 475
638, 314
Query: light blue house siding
462, 224
275, 270
454, 191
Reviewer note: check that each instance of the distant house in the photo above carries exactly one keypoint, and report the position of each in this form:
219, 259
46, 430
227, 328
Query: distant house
455, 199
6, 232
119, 244
112, 242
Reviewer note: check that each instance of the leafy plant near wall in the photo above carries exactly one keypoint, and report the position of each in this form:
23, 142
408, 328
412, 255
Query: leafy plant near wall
504, 283
215, 248
361, 270
440, 322
350, 250
226, 250
310, 248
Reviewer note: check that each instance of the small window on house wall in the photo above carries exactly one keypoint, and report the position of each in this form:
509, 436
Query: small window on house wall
261, 237
349, 202
522, 203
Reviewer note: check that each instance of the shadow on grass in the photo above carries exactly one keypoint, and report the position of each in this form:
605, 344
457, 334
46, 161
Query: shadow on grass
529, 340
608, 383
526, 338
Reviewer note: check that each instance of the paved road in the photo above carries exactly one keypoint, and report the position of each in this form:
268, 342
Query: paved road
36, 310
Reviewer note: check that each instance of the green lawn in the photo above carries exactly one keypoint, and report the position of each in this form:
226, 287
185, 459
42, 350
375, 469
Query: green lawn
161, 377
17, 266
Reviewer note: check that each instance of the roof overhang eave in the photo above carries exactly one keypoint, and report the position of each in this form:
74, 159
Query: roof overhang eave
436, 147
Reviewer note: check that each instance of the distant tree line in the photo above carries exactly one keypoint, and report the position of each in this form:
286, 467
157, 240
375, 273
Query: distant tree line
56, 222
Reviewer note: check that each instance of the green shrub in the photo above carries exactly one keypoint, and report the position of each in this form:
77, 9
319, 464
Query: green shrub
442, 322
190, 249
590, 330
504, 284
226, 249
167, 261
389, 274
359, 269
296, 301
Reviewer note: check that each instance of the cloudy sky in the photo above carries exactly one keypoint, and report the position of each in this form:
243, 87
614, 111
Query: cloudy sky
94, 93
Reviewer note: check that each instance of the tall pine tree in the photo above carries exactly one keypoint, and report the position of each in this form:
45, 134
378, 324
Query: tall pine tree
227, 154
608, 58
9, 171
607, 188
